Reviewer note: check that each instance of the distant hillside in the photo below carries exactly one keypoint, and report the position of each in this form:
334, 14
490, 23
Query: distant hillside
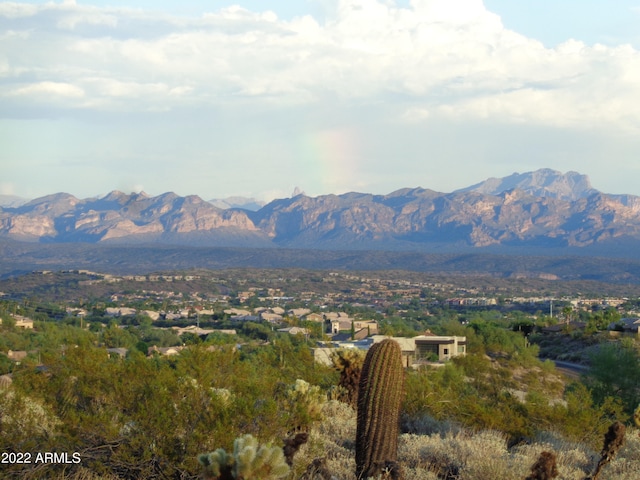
11, 201
237, 202
22, 257
545, 182
545, 209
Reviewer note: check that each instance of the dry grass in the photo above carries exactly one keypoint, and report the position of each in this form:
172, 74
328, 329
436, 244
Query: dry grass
461, 454
450, 453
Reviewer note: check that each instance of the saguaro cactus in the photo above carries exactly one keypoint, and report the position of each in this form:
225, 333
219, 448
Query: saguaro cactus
380, 393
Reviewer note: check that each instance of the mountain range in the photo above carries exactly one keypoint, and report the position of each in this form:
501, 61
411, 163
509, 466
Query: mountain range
542, 209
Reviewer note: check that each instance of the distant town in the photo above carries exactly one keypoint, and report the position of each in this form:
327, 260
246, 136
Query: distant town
329, 309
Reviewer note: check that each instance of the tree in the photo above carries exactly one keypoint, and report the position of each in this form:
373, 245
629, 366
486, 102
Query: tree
615, 371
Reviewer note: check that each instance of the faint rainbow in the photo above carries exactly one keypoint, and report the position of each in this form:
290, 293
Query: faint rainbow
330, 159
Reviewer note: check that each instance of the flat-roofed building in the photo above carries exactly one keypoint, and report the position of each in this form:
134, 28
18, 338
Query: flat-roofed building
440, 348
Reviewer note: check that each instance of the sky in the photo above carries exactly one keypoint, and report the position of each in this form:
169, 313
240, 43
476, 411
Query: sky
252, 98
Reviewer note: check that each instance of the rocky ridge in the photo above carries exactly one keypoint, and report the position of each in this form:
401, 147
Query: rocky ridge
544, 208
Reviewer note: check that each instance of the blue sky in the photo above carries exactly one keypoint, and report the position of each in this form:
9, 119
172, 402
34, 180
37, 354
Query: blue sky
255, 98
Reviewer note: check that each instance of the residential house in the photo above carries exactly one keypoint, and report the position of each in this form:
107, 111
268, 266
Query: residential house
166, 351
415, 350
428, 347
245, 318
626, 325
117, 352
120, 312
154, 316
407, 346
336, 316
193, 329
298, 312
313, 317
23, 322
371, 326
348, 336
244, 296
343, 324
76, 312
271, 317
440, 348
294, 331
234, 312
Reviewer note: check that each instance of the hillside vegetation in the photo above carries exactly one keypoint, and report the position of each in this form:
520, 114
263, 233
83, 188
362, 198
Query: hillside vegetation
488, 415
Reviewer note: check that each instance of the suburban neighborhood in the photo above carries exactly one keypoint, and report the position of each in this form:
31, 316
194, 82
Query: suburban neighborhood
344, 311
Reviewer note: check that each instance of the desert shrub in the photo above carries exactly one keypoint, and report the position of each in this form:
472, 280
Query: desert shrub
154, 415
332, 440
582, 420
615, 371
482, 393
625, 466
24, 421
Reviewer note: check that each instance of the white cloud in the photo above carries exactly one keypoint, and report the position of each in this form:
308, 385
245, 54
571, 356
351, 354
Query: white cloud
44, 90
7, 188
250, 85
450, 56
14, 10
456, 11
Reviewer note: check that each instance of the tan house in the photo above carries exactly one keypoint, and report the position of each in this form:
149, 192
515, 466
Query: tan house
294, 331
271, 317
440, 348
166, 351
22, 322
298, 312
120, 312
117, 352
313, 317
428, 347
415, 350
343, 324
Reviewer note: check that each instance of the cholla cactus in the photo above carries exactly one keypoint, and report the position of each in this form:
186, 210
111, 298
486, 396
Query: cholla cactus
379, 396
217, 465
309, 398
545, 467
348, 361
224, 395
613, 442
263, 462
249, 461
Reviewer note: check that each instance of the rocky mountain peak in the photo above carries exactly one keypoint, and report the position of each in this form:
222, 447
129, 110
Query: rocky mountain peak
237, 202
545, 208
545, 182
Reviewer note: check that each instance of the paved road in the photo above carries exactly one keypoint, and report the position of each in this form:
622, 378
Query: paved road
571, 370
